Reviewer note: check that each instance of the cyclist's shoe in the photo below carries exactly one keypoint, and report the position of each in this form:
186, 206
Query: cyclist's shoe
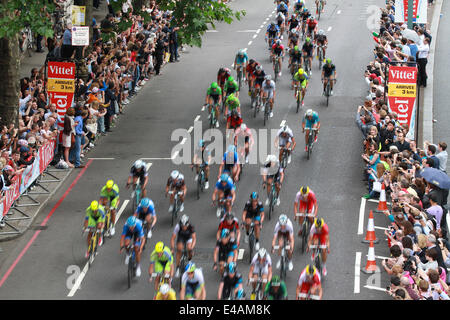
138, 271
279, 264
279, 74
271, 114
217, 124
290, 266
177, 273
113, 230
317, 56
127, 258
100, 241
182, 207
196, 178
331, 92
267, 201
86, 254
257, 245
170, 208
218, 212
324, 271
303, 103
306, 148
289, 159
278, 201
249, 93
206, 185
246, 159
149, 234
315, 139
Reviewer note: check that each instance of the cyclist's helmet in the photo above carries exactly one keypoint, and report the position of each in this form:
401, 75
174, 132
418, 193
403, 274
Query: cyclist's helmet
94, 205
268, 77
184, 220
271, 158
283, 219
318, 223
145, 202
296, 48
164, 289
222, 70
214, 85
159, 247
225, 233
231, 148
229, 216
279, 41
321, 32
258, 68
232, 267
284, 129
280, 14
139, 164
240, 294
131, 222
243, 126
301, 71
276, 281
310, 270
251, 61
309, 113
305, 10
304, 190
262, 253
180, 177
230, 78
109, 184
254, 195
241, 52
223, 177
201, 143
312, 18
272, 24
190, 267
174, 174
308, 40
328, 61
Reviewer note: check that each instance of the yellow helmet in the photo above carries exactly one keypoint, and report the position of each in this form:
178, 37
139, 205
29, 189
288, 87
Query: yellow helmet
310, 270
159, 247
318, 222
94, 205
301, 71
109, 184
304, 190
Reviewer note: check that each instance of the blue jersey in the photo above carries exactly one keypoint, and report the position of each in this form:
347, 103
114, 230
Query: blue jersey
273, 31
230, 162
243, 59
282, 7
137, 232
309, 123
228, 187
151, 209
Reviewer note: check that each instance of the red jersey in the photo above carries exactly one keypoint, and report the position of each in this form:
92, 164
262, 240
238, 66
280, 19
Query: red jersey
312, 23
232, 227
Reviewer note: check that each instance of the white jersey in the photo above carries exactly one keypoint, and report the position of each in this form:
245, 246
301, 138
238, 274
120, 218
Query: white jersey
256, 263
283, 140
197, 279
289, 228
268, 87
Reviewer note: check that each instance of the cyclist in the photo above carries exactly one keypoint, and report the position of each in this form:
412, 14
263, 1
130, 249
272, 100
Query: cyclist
319, 235
298, 6
312, 27
222, 76
230, 163
273, 33
231, 283
166, 293
261, 264
110, 192
146, 212
259, 78
275, 289
226, 191
230, 222
202, 156
283, 8
138, 171
278, 54
284, 231
272, 172
286, 140
175, 184
310, 120
133, 229
321, 42
293, 23
225, 251
250, 74
234, 120
302, 79
269, 91
295, 57
240, 62
214, 99
243, 132
161, 262
308, 52
309, 283
328, 74
305, 14
231, 87
305, 202
293, 39
323, 5
95, 219
231, 103
186, 236
253, 212
192, 283
281, 20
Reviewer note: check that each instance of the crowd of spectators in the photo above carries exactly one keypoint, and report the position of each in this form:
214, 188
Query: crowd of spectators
116, 70
417, 234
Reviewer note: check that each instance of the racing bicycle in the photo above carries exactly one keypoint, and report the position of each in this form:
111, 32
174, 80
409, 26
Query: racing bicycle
311, 138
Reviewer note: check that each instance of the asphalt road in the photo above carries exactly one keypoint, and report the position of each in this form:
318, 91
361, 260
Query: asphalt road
173, 101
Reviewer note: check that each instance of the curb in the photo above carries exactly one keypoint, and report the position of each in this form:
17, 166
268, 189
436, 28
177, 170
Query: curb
427, 118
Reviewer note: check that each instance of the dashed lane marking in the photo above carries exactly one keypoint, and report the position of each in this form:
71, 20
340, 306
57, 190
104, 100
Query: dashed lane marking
197, 118
361, 216
357, 272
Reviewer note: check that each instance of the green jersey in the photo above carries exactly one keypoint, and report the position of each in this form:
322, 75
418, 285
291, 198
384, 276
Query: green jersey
280, 294
212, 92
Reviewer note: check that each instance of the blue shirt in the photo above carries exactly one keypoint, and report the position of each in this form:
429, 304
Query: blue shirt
243, 59
151, 209
138, 231
67, 37
413, 47
79, 127
315, 119
282, 7
276, 30
235, 158
228, 187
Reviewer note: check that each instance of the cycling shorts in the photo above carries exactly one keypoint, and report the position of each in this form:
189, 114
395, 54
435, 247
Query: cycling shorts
321, 237
161, 266
215, 98
137, 241
92, 223
264, 270
184, 240
253, 217
191, 288
223, 255
307, 207
112, 201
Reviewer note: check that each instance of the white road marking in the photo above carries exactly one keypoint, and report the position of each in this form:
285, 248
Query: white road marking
197, 118
246, 31
155, 158
361, 216
80, 278
175, 155
190, 129
148, 166
339, 12
183, 141
375, 288
212, 31
102, 158
357, 272
250, 43
258, 31
262, 26
329, 29
241, 254
254, 36
282, 123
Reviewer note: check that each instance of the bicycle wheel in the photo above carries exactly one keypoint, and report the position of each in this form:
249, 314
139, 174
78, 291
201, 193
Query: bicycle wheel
130, 271
318, 263
304, 235
174, 213
320, 10
327, 91
199, 185
251, 239
240, 79
283, 268
107, 225
298, 99
276, 72
92, 248
320, 57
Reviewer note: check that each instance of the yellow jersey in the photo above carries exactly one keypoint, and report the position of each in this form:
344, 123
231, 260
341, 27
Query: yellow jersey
170, 296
